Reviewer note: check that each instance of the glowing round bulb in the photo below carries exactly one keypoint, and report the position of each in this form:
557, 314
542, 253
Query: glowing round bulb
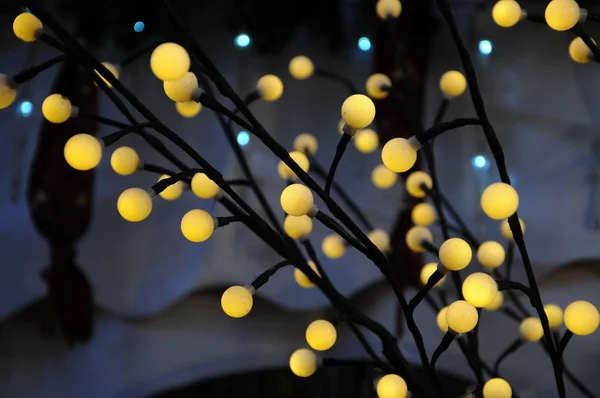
442, 320
479, 289
381, 239
376, 84
499, 201
301, 278
270, 87
124, 161
497, 388
388, 9
415, 236
173, 191
581, 318
57, 108
26, 26
414, 182
579, 51
382, 177
496, 302
203, 187
297, 227
461, 316
531, 329
181, 89
83, 152
169, 61
398, 155
303, 362
296, 200
358, 111
453, 84
301, 160
321, 335
7, 93
507, 13
197, 225
237, 301
134, 204
333, 246
554, 314
112, 69
306, 143
455, 254
391, 386
562, 15
426, 272
490, 254
366, 140
506, 231
301, 67
423, 214
188, 109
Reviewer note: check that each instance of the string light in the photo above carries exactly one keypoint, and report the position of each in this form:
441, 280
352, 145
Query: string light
499, 201
414, 183
27, 26
455, 254
181, 89
57, 108
415, 237
333, 246
461, 316
380, 239
479, 289
426, 272
562, 15
7, 92
303, 362
270, 88
203, 187
423, 214
579, 51
496, 303
243, 138
554, 314
300, 159
25, 108
581, 318
242, 40
189, 109
197, 225
83, 152
301, 278
301, 67
382, 177
306, 143
376, 84
139, 26
497, 388
124, 161
358, 111
296, 200
480, 162
366, 140
237, 301
507, 13
531, 329
507, 232
134, 204
173, 191
388, 9
364, 44
442, 320
491, 254
485, 47
453, 84
321, 335
169, 61
297, 227
398, 155
391, 386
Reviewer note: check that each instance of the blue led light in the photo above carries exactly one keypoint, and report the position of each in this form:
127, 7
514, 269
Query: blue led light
242, 40
25, 108
243, 138
364, 44
139, 26
480, 162
485, 47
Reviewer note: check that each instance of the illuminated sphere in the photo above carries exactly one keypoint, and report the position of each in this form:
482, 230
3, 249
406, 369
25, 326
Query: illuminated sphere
297, 227
381, 239
491, 254
358, 111
296, 200
398, 155
531, 329
112, 68
382, 177
134, 204
301, 278
7, 93
321, 335
579, 51
562, 15
415, 236
453, 84
554, 314
237, 301
188, 109
507, 13
270, 87
301, 160
455, 254
423, 214
181, 89
581, 318
391, 385
57, 108
169, 61
374, 85
497, 388
479, 289
306, 143
428, 270
83, 152
496, 302
26, 26
203, 187
499, 201
197, 225
366, 140
303, 362
388, 9
173, 191
124, 161
301, 67
333, 246
506, 231
462, 317
414, 182
442, 320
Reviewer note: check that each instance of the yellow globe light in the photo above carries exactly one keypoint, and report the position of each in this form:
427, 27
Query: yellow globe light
188, 109
499, 201
270, 87
453, 84
301, 160
414, 182
398, 155
124, 161
366, 140
181, 89
303, 362
306, 143
415, 236
507, 13
296, 200
579, 51
301, 67
496, 303
388, 9
423, 214
506, 231
461, 316
455, 254
531, 329
581, 318
376, 84
381, 239
7, 93
237, 301
203, 187
112, 68
562, 15
391, 385
491, 254
173, 191
83, 152
358, 111
57, 108
479, 289
301, 278
497, 388
197, 225
333, 246
321, 335
169, 61
442, 320
426, 272
554, 314
297, 227
134, 204
382, 177
27, 26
